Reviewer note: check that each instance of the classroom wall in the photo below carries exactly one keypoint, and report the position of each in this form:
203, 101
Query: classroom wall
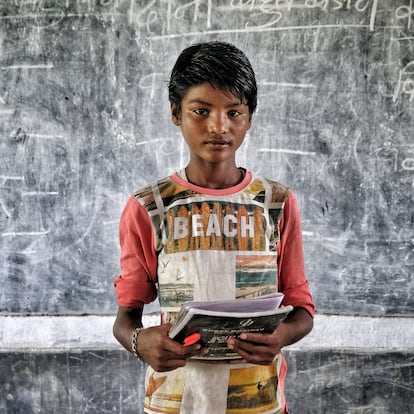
84, 121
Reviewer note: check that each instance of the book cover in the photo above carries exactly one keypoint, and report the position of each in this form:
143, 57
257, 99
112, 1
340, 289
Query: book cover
218, 321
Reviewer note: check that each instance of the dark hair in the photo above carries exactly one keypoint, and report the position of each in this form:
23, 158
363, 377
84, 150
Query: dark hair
221, 64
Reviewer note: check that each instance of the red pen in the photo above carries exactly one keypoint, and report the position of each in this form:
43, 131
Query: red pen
191, 339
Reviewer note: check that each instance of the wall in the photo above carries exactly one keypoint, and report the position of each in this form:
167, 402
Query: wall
84, 121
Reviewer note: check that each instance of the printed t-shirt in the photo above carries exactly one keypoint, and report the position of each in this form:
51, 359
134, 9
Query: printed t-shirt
185, 242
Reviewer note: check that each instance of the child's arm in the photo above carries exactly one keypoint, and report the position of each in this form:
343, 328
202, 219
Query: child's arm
154, 345
263, 348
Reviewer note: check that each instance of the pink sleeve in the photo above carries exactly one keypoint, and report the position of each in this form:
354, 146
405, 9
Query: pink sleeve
292, 279
136, 284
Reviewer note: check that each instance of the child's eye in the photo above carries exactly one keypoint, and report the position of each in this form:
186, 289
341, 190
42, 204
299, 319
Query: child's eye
233, 113
201, 111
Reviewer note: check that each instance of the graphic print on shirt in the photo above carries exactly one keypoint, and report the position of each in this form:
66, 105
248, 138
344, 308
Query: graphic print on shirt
256, 275
255, 388
213, 248
209, 229
215, 225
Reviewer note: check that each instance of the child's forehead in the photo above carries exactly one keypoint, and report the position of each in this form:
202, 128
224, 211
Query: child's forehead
208, 90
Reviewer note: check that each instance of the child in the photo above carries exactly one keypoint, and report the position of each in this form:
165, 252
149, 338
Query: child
212, 231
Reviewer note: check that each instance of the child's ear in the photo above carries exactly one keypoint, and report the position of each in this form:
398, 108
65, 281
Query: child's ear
175, 116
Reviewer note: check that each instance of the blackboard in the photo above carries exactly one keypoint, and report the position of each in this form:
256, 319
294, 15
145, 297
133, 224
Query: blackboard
84, 120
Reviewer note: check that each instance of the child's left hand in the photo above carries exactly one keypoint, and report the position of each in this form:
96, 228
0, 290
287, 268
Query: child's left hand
256, 348
261, 348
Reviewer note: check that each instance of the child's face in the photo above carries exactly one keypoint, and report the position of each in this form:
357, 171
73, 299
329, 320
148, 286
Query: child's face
213, 122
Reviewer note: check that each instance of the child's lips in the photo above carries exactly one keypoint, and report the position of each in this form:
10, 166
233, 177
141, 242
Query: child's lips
218, 143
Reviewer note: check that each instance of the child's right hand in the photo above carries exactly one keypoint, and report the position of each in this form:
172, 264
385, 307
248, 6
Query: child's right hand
162, 353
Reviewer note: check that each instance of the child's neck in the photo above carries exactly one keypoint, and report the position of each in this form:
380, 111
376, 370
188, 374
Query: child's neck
215, 179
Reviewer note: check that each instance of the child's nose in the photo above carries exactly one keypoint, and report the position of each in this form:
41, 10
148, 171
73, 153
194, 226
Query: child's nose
218, 123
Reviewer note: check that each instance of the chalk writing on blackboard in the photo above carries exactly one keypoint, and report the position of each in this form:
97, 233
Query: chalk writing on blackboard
172, 18
28, 66
3, 180
405, 84
405, 13
408, 163
250, 16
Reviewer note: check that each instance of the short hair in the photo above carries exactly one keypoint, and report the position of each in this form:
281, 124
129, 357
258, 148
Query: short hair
221, 64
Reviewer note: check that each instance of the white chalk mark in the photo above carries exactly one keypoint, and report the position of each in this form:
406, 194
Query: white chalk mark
286, 151
110, 222
254, 30
44, 136
25, 233
289, 84
5, 178
26, 252
7, 111
134, 17
26, 66
405, 83
209, 8
403, 38
333, 239
405, 12
391, 27
150, 141
408, 164
37, 17
373, 15
355, 150
39, 193
4, 208
277, 18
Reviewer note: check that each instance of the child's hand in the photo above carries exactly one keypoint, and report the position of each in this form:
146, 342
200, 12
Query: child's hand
262, 348
162, 353
256, 348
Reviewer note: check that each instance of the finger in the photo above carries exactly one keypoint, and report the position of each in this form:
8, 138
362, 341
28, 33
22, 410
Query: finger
258, 338
260, 358
252, 352
171, 361
246, 347
182, 350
